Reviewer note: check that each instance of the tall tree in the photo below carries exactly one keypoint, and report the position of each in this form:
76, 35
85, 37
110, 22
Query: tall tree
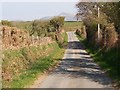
57, 22
112, 10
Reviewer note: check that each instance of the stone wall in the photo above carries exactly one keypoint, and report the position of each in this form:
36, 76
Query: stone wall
14, 38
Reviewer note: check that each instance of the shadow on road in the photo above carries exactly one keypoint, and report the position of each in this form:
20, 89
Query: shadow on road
83, 67
75, 45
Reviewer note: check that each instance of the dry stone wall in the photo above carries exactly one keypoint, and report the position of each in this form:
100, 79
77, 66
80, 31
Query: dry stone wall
14, 38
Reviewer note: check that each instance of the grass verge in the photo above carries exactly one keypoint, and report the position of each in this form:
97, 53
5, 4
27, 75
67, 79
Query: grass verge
108, 60
22, 67
63, 43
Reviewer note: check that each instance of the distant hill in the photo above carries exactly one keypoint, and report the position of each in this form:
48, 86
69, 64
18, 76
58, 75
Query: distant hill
46, 18
68, 17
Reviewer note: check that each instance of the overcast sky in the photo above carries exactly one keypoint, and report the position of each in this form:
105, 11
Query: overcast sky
35, 10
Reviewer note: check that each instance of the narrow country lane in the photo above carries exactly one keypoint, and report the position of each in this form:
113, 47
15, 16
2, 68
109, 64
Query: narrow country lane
76, 70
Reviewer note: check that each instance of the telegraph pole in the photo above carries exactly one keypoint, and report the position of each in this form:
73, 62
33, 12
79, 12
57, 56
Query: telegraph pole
98, 23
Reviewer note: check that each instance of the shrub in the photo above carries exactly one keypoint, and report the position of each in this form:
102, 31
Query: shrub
43, 27
110, 36
57, 22
39, 27
6, 23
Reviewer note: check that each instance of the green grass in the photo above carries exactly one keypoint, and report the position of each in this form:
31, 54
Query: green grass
64, 42
65, 38
72, 26
108, 60
36, 67
26, 25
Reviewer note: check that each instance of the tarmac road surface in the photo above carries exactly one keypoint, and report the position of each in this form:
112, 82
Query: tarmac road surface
76, 70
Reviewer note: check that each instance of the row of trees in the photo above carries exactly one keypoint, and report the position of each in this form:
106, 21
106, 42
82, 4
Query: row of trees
103, 16
41, 27
37, 27
102, 22
32, 31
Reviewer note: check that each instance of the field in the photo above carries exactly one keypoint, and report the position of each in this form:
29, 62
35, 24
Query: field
72, 26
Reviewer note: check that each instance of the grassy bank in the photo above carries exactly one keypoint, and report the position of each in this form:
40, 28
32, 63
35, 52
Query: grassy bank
22, 67
63, 40
108, 60
28, 73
